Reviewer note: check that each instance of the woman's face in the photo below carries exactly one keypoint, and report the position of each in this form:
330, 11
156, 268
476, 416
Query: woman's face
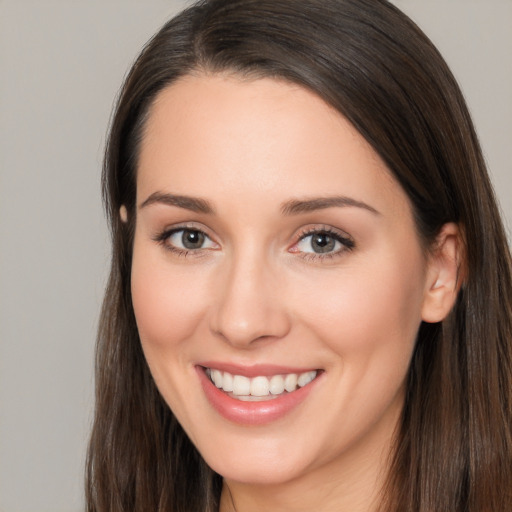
273, 246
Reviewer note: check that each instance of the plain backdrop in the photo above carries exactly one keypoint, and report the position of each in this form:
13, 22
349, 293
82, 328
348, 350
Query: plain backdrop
61, 64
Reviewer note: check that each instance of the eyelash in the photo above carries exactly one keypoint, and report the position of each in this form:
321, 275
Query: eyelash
163, 239
346, 242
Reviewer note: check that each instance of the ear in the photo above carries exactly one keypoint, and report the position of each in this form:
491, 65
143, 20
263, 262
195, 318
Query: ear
443, 274
123, 214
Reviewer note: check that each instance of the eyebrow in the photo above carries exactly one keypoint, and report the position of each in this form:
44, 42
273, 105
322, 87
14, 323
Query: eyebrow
194, 204
295, 207
292, 207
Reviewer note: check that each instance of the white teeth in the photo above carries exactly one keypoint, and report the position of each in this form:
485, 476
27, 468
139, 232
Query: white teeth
305, 378
277, 384
217, 378
250, 398
290, 382
259, 387
241, 385
227, 384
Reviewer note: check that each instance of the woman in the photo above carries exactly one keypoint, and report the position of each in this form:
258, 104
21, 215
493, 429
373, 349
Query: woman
310, 301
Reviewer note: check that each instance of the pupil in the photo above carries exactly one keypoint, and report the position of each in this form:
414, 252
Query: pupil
322, 242
192, 239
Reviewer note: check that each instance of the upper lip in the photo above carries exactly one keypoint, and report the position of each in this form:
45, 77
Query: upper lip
265, 370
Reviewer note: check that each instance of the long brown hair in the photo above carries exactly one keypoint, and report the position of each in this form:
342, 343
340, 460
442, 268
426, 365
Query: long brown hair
453, 448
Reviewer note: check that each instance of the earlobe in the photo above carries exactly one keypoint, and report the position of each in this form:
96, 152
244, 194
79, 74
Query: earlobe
123, 214
444, 274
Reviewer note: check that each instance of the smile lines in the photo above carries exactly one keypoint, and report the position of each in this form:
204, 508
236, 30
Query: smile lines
260, 387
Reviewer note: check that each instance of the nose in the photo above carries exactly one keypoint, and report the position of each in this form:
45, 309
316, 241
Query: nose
250, 305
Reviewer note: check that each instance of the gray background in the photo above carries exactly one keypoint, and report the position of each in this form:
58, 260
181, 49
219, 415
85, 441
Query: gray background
61, 63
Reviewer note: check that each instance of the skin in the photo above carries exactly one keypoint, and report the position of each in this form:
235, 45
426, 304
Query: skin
257, 293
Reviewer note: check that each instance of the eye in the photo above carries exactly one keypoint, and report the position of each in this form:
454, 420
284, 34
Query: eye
186, 239
323, 242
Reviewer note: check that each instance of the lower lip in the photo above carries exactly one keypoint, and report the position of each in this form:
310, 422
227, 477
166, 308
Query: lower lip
252, 413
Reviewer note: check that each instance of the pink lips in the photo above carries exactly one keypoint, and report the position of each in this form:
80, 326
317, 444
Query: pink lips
252, 413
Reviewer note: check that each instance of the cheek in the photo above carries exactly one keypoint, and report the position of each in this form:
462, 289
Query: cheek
368, 320
168, 305
367, 311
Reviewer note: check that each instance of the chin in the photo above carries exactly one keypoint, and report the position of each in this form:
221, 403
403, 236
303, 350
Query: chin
259, 462
255, 473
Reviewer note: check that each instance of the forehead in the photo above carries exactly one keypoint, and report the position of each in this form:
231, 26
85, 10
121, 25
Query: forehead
206, 133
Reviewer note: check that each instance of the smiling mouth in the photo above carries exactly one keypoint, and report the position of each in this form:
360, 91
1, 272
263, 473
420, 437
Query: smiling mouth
261, 387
